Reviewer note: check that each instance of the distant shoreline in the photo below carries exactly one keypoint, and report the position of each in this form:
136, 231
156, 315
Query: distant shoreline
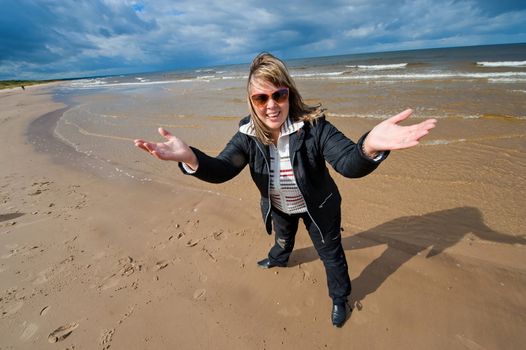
11, 84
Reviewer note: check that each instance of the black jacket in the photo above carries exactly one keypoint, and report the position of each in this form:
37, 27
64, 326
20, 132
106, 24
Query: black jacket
310, 147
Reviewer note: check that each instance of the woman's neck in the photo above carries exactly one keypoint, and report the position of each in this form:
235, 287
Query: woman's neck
275, 137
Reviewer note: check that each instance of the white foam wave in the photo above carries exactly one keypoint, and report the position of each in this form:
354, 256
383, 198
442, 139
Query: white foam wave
311, 75
379, 66
438, 115
502, 64
483, 116
371, 116
441, 142
420, 76
87, 82
234, 77
98, 84
493, 77
507, 80
206, 77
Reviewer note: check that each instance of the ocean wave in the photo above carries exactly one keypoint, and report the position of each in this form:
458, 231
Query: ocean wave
491, 116
493, 77
440, 142
99, 83
475, 139
502, 64
416, 115
87, 82
507, 80
428, 114
418, 76
234, 77
206, 77
316, 74
370, 116
379, 66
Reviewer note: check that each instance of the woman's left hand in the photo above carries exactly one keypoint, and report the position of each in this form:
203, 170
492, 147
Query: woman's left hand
388, 135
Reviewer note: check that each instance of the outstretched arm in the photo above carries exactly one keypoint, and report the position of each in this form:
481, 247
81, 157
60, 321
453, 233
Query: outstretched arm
173, 149
388, 135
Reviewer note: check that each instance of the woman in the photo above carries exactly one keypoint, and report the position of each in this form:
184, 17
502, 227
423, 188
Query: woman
287, 143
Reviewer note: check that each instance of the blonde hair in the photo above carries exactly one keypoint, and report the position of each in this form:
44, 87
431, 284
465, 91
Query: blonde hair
269, 68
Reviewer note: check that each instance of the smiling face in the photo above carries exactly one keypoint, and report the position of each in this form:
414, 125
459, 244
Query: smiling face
272, 113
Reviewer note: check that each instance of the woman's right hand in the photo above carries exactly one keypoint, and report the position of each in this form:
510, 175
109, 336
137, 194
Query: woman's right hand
173, 149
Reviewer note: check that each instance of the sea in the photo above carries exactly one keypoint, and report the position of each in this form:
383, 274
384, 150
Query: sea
204, 105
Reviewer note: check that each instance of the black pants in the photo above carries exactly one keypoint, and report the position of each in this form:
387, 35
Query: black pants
331, 252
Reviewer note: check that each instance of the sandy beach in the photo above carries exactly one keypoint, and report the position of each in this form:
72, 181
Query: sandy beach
434, 238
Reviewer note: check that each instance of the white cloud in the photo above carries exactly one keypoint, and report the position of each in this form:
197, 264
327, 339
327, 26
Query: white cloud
365, 31
123, 35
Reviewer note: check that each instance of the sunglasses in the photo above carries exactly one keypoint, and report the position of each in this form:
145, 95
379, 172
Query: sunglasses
279, 96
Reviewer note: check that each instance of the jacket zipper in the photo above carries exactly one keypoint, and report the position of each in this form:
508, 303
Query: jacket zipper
324, 201
268, 183
308, 212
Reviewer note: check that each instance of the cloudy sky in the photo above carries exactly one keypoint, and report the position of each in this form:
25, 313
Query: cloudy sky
42, 39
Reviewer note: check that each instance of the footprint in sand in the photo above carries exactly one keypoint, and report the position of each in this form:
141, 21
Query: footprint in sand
42, 278
106, 337
12, 308
293, 311
469, 343
13, 250
161, 265
110, 282
202, 277
62, 332
129, 266
192, 243
46, 274
29, 331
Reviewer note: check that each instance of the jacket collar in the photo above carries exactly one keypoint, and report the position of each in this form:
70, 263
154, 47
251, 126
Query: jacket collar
289, 127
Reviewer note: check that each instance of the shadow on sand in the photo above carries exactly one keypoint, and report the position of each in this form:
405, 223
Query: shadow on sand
6, 217
406, 237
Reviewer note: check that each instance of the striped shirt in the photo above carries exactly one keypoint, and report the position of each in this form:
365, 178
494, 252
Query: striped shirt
284, 192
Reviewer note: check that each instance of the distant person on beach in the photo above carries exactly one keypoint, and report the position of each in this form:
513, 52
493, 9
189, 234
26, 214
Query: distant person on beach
287, 144
22, 86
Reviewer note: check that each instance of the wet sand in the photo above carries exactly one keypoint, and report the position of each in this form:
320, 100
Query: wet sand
434, 238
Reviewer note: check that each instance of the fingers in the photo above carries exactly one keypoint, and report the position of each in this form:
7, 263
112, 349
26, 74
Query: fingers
428, 123
140, 144
165, 133
148, 147
422, 129
425, 125
152, 148
401, 116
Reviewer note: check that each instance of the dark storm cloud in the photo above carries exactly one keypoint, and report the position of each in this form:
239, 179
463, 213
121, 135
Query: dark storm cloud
72, 38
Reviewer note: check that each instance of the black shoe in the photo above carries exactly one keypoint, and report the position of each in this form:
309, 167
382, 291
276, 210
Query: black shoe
266, 264
339, 314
